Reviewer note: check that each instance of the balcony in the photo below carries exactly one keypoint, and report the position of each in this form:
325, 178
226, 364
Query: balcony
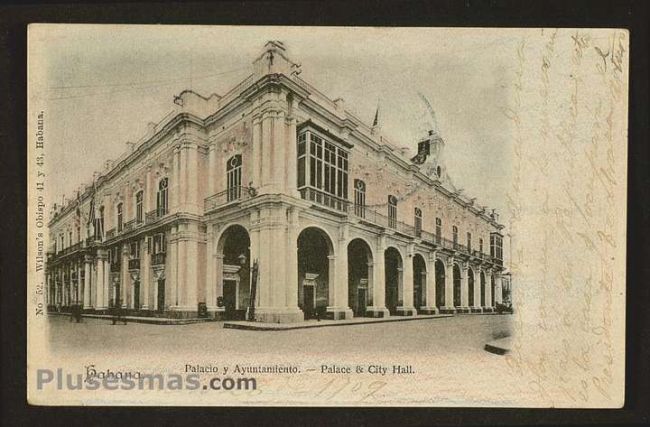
134, 264
158, 259
154, 215
230, 196
110, 234
324, 199
128, 226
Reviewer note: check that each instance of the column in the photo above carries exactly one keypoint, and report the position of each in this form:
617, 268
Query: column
99, 282
212, 158
430, 286
182, 178
488, 291
190, 266
125, 279
87, 303
175, 180
210, 289
291, 175
279, 165
256, 152
147, 193
107, 282
338, 283
405, 298
192, 178
378, 308
464, 288
476, 308
268, 243
498, 289
78, 295
266, 151
145, 274
176, 252
370, 289
292, 261
217, 284
449, 287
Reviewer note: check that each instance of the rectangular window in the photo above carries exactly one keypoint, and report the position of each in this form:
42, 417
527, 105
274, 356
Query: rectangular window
138, 207
469, 242
480, 245
392, 211
161, 197
134, 250
491, 245
418, 222
496, 246
359, 198
438, 230
454, 234
233, 176
119, 217
159, 243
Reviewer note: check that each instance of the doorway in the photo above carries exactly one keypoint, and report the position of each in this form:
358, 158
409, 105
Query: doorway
230, 299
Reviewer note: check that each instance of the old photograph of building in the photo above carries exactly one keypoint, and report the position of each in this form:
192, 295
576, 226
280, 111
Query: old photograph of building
273, 202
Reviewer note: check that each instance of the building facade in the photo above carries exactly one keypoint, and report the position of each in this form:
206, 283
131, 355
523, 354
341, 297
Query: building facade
273, 181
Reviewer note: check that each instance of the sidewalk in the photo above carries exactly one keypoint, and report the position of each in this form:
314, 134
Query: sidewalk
259, 326
142, 319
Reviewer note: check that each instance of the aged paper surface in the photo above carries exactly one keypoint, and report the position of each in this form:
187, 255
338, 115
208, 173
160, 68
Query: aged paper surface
326, 216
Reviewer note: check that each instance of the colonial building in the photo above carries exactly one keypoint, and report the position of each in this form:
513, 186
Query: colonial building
274, 178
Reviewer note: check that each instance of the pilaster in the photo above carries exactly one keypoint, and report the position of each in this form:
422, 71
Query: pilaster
378, 307
405, 300
87, 271
449, 287
430, 286
464, 289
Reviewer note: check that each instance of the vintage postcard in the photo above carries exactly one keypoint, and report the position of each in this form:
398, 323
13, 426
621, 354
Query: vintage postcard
326, 216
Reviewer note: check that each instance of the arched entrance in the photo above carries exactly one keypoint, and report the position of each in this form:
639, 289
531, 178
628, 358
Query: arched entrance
315, 266
419, 281
234, 251
393, 265
440, 283
456, 285
482, 289
470, 287
359, 276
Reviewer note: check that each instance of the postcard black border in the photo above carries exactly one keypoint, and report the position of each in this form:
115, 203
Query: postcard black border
14, 18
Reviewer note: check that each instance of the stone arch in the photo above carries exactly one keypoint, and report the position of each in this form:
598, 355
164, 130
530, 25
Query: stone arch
470, 287
440, 283
393, 264
456, 282
360, 275
233, 259
419, 281
315, 271
482, 279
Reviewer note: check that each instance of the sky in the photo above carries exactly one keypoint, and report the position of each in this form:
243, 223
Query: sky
102, 84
